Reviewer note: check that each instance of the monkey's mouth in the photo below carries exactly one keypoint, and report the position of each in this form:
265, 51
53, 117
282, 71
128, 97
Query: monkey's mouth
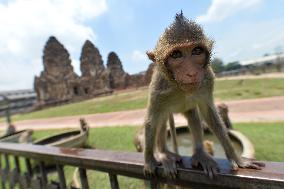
189, 83
189, 87
192, 84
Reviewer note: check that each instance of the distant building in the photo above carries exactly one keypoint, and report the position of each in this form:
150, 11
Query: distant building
17, 100
264, 64
274, 58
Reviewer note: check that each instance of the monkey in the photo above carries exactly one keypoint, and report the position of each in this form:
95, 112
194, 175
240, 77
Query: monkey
139, 145
209, 147
223, 111
138, 140
173, 133
139, 136
183, 82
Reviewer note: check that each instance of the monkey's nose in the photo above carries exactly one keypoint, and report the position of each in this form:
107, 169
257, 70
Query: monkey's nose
191, 74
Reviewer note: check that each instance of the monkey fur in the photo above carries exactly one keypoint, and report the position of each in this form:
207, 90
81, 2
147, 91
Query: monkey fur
139, 136
183, 82
223, 111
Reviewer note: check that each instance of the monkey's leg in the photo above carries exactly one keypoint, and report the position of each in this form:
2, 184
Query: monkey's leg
199, 157
152, 122
228, 122
214, 121
173, 133
163, 155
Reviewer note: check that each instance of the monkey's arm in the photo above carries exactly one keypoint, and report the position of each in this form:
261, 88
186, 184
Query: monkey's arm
199, 157
212, 117
153, 120
155, 134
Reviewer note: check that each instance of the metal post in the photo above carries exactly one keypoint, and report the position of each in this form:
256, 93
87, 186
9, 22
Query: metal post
29, 168
113, 181
43, 173
61, 176
7, 170
83, 178
2, 172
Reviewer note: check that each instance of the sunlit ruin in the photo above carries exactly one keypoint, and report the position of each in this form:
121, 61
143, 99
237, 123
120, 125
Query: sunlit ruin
58, 83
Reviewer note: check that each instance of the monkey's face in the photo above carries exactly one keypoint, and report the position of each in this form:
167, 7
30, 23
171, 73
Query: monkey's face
187, 66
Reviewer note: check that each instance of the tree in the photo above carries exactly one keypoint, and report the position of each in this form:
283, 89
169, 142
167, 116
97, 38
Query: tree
233, 66
278, 52
217, 65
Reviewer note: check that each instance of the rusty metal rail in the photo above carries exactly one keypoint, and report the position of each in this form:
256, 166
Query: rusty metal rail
122, 163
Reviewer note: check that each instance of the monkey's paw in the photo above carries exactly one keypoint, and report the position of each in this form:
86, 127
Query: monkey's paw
208, 164
175, 157
249, 163
150, 167
168, 160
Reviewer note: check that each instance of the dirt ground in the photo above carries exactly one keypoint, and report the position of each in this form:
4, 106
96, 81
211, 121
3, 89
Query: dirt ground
253, 110
267, 75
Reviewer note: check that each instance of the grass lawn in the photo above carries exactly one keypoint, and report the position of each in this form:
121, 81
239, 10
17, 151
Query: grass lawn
248, 89
117, 138
136, 99
267, 138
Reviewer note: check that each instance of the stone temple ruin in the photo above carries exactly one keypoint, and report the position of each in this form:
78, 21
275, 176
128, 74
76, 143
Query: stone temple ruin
58, 83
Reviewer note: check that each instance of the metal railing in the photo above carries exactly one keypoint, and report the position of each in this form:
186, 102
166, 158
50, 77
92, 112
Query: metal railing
128, 164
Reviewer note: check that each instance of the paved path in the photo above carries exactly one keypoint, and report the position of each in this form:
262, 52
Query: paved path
254, 110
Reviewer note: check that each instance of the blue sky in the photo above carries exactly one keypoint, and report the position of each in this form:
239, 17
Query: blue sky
242, 29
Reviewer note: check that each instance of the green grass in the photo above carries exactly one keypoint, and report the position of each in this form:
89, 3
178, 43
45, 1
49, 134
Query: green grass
267, 138
117, 139
248, 89
117, 102
224, 90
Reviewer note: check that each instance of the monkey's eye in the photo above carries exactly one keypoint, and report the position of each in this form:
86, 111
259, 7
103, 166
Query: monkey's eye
176, 54
197, 51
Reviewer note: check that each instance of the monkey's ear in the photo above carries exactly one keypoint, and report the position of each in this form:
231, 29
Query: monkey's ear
151, 55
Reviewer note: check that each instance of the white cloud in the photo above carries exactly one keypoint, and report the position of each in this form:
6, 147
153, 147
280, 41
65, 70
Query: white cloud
241, 42
138, 56
134, 61
27, 24
221, 9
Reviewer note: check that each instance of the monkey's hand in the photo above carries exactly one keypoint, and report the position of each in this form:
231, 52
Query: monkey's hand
208, 164
249, 163
168, 160
150, 167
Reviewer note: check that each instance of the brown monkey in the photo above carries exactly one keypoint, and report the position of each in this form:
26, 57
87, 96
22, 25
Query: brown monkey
209, 147
183, 82
223, 111
139, 136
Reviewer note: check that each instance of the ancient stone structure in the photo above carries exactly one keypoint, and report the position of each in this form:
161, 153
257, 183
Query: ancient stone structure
116, 75
140, 79
57, 82
136, 80
94, 79
149, 73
